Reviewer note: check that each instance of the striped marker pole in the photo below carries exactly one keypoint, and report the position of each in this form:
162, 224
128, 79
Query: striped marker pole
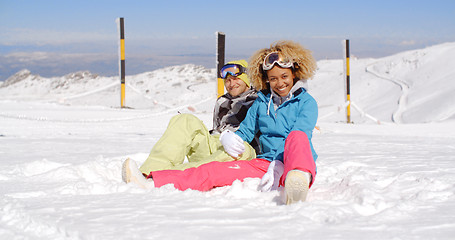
220, 46
122, 62
348, 84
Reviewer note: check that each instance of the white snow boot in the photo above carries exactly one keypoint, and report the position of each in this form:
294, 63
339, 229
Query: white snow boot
131, 173
296, 186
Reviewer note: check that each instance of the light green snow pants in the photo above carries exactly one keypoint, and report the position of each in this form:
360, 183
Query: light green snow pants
186, 135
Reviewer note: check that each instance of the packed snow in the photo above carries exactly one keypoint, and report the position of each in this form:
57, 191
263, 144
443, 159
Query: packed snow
389, 175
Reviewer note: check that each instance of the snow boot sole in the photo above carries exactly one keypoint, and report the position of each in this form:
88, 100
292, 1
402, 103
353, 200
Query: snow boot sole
296, 187
131, 173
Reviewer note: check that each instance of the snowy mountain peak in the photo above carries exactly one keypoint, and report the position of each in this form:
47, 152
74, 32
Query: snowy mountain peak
19, 76
186, 70
81, 75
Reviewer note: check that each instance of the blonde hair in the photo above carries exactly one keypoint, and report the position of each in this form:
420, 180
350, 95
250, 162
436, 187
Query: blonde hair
304, 63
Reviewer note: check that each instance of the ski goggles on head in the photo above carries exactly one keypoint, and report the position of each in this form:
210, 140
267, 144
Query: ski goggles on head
232, 69
274, 58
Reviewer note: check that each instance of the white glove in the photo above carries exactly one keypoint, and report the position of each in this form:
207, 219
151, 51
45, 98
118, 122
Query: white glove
271, 178
232, 143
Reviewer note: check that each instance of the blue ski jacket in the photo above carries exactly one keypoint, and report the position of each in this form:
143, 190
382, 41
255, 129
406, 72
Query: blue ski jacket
298, 113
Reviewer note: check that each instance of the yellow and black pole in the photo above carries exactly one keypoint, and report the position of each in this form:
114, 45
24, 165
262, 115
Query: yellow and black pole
220, 46
122, 61
348, 83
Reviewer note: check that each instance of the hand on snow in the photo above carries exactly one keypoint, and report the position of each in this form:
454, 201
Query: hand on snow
232, 143
271, 178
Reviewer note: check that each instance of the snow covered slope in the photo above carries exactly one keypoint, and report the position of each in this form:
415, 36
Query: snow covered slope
63, 140
409, 87
157, 90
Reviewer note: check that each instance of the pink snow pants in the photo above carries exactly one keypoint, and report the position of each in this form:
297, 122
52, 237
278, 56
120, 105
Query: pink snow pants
297, 155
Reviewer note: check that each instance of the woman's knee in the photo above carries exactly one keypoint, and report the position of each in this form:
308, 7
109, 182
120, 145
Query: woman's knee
297, 135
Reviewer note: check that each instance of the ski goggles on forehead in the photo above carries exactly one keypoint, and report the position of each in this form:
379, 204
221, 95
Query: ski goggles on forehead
274, 58
232, 69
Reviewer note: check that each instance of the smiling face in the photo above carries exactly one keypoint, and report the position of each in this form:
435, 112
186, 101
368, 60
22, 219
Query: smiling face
281, 80
235, 86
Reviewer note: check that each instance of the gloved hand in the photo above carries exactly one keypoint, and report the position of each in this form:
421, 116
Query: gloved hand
271, 178
232, 143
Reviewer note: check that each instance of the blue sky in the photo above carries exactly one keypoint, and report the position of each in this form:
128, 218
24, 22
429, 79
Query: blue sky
58, 37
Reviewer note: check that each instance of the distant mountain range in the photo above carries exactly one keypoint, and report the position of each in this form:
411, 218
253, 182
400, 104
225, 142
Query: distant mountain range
410, 87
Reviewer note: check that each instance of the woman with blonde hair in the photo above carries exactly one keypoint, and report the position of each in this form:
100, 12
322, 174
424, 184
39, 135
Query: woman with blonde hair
284, 113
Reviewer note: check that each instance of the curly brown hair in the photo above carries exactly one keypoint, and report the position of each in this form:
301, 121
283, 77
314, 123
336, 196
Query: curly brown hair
304, 63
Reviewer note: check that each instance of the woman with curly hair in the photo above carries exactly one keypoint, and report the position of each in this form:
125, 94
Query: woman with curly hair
284, 114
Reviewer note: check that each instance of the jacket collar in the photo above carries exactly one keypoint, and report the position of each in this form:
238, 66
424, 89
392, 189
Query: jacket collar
296, 90
244, 94
272, 98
